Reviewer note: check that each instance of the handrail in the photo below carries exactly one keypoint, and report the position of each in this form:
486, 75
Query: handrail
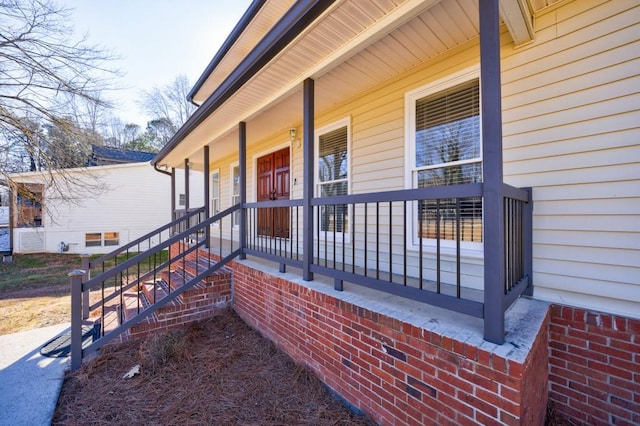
79, 287
153, 308
146, 275
94, 281
429, 193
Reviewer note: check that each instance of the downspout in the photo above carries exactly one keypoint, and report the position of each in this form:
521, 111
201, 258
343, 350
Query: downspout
173, 201
155, 167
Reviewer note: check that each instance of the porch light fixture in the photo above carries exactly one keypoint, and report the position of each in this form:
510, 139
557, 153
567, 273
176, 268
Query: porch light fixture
292, 136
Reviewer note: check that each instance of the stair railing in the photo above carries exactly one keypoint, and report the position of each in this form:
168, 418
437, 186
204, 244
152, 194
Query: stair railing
131, 266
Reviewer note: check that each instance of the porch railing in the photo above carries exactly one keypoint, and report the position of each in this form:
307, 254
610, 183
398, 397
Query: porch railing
424, 244
147, 261
195, 216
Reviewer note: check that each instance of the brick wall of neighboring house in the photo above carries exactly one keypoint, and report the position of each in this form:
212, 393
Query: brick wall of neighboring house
396, 372
594, 366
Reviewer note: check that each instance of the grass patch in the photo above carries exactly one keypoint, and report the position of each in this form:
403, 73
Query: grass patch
35, 288
37, 271
50, 269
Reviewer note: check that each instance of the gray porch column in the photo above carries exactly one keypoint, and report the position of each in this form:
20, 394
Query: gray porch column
207, 190
186, 186
173, 192
494, 262
308, 179
242, 167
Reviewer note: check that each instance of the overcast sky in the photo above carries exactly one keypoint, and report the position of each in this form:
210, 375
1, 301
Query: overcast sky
157, 39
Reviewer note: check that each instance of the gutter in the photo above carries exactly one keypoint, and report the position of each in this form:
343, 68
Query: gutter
242, 24
297, 18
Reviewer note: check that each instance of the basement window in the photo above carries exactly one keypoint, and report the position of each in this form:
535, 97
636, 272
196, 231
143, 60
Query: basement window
111, 238
93, 239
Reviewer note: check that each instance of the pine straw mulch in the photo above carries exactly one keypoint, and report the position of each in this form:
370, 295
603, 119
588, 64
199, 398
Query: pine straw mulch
218, 372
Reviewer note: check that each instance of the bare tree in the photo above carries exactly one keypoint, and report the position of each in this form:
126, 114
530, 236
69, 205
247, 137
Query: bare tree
169, 103
50, 88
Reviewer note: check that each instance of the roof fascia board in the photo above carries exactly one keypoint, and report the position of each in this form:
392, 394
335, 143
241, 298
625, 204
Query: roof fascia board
297, 18
237, 31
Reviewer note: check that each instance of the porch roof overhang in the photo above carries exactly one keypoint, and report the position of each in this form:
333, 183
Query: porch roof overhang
348, 47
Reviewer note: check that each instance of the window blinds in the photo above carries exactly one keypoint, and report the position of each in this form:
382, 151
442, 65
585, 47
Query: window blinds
332, 155
448, 126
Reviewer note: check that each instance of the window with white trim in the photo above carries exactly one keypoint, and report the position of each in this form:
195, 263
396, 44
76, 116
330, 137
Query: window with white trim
445, 148
215, 193
235, 192
332, 159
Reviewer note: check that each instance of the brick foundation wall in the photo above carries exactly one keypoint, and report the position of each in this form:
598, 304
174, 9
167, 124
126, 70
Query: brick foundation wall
594, 366
394, 371
201, 302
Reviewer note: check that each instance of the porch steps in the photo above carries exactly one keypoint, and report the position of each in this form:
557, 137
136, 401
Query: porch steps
202, 300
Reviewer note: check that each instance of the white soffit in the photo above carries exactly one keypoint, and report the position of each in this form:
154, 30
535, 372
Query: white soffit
354, 46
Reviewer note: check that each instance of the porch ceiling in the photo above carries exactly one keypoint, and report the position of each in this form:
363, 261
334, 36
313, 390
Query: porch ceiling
353, 46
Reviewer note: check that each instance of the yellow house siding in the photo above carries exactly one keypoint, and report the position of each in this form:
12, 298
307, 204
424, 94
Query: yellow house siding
571, 125
571, 104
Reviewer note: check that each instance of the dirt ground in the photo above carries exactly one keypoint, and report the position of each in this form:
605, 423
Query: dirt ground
22, 310
214, 372
34, 291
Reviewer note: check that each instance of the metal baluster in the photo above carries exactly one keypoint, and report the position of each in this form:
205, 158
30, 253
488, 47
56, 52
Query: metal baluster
404, 243
390, 242
458, 283
438, 270
420, 207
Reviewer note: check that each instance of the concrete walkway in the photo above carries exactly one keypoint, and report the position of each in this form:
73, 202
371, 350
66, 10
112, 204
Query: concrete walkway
29, 382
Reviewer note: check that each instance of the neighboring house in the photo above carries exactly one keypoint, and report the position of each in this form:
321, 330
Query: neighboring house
105, 155
370, 143
90, 209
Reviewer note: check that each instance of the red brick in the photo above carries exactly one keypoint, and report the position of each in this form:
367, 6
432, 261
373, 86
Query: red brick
587, 336
602, 410
486, 420
609, 369
624, 346
498, 363
478, 380
484, 357
409, 367
409, 350
452, 404
632, 386
455, 381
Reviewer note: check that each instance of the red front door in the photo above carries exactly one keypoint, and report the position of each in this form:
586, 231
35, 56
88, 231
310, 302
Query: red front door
273, 184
